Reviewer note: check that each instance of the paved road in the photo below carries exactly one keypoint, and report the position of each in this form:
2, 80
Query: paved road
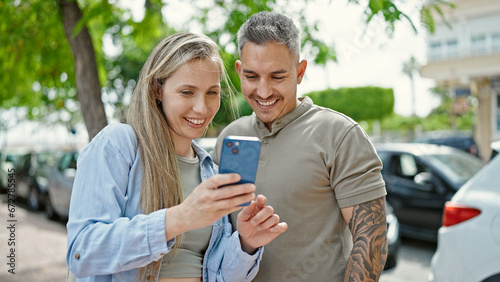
413, 263
40, 249
40, 246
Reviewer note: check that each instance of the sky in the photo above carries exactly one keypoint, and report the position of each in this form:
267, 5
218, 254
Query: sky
364, 59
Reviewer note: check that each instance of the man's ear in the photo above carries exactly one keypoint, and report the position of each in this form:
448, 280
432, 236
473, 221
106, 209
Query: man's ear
237, 64
301, 70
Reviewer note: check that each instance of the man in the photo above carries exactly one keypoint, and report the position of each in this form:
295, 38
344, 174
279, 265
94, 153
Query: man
317, 167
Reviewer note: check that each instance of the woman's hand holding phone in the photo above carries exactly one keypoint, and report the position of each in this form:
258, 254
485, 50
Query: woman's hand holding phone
207, 203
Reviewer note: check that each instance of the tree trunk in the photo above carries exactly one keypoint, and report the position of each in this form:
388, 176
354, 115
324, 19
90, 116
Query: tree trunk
87, 79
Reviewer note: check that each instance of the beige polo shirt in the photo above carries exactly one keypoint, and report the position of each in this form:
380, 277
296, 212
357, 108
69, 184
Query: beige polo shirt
313, 162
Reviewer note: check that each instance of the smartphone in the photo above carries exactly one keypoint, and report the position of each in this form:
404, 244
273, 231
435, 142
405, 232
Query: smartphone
240, 154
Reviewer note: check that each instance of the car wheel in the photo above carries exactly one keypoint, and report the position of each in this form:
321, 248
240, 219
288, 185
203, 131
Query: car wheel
34, 199
391, 261
49, 209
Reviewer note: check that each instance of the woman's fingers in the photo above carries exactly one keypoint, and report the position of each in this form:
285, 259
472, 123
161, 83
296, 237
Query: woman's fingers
219, 180
209, 201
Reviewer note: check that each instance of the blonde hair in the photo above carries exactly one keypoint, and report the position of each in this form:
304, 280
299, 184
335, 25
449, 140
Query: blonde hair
161, 185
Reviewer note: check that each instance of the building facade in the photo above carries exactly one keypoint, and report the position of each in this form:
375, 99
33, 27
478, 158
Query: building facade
464, 54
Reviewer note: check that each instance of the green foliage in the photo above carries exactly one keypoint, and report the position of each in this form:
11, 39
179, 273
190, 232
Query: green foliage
136, 40
360, 103
37, 61
33, 48
427, 17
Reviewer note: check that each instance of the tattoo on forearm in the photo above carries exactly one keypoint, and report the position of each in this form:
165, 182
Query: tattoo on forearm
369, 228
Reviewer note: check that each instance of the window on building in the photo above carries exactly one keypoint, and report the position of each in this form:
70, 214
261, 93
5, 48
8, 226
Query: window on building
495, 42
452, 48
435, 51
478, 44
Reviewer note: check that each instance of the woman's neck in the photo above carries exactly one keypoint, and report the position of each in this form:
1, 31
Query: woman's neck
184, 149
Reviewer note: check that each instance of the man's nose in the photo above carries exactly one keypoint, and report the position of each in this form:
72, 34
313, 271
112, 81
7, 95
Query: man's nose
264, 89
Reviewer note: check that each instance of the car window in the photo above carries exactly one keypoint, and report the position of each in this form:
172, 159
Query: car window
68, 161
49, 159
402, 165
408, 165
458, 167
24, 162
11, 158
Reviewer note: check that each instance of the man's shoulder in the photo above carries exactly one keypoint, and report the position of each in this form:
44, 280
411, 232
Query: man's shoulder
323, 116
328, 114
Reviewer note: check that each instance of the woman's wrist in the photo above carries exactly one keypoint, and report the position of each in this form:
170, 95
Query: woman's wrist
174, 225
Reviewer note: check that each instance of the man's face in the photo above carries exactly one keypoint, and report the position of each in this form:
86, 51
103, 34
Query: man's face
269, 76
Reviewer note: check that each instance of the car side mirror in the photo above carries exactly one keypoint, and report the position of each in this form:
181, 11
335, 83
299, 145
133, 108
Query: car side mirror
69, 173
425, 180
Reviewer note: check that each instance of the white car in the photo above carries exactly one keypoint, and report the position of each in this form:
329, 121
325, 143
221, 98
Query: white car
469, 241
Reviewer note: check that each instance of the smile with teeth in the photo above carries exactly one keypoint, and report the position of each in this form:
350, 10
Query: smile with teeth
195, 121
266, 104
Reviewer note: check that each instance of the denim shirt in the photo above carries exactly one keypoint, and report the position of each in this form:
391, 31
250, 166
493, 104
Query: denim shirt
109, 238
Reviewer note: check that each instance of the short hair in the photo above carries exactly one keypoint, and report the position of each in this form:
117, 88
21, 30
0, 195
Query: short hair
264, 27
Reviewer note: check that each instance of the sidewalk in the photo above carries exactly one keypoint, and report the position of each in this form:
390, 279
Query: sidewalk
40, 246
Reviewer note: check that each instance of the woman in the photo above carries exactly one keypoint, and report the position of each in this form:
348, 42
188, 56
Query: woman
140, 186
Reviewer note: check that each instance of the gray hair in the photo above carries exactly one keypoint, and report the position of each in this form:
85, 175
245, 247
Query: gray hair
265, 27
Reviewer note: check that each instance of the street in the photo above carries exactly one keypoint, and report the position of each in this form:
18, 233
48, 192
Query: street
33, 249
38, 247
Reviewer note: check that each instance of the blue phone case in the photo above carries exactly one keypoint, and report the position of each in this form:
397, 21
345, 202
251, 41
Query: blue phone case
240, 154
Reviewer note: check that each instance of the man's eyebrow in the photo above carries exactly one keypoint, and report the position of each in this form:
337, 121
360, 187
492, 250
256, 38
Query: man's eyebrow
274, 72
279, 71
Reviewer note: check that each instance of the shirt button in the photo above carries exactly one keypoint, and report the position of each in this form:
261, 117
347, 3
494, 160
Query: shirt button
77, 256
266, 141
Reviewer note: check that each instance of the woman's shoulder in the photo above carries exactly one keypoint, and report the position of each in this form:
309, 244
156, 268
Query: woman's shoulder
116, 136
119, 131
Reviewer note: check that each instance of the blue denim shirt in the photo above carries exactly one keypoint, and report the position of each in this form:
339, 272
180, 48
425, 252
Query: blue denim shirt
109, 238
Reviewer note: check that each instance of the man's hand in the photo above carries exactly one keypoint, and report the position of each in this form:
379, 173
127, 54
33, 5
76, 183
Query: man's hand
258, 225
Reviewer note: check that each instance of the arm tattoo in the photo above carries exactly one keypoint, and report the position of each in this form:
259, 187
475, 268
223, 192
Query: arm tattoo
369, 229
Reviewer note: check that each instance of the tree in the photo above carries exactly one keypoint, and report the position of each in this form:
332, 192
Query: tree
87, 79
452, 116
52, 50
50, 46
360, 103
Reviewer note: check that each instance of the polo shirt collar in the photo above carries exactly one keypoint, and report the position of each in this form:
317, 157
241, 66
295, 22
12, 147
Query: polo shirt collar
305, 104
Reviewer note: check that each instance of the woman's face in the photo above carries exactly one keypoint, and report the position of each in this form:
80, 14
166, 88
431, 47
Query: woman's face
191, 98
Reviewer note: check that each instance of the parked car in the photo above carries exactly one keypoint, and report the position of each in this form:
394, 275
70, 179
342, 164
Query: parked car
60, 185
8, 158
393, 238
468, 246
32, 169
461, 140
420, 178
